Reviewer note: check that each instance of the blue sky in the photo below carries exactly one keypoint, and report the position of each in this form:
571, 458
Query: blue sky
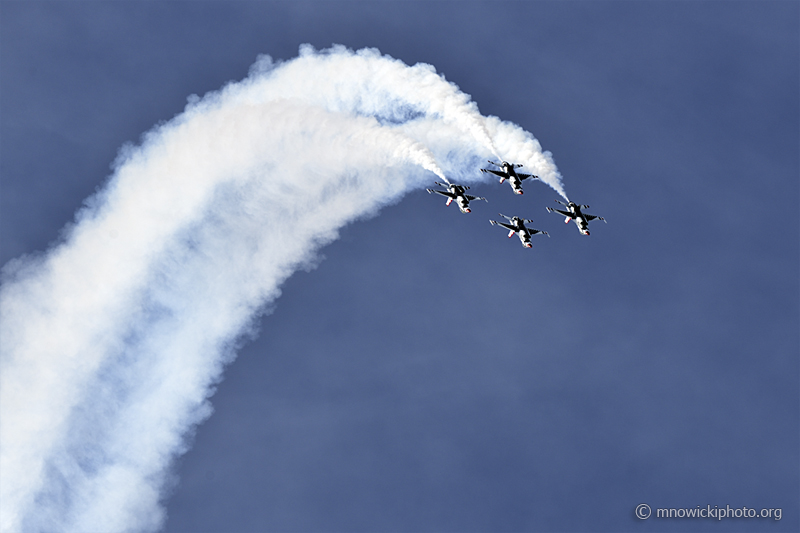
430, 374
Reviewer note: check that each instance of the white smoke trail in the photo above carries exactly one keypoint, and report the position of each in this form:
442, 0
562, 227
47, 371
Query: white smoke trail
519, 146
112, 341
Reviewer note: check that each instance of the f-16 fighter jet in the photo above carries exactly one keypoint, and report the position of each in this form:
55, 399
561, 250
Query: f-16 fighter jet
456, 192
574, 213
517, 225
509, 173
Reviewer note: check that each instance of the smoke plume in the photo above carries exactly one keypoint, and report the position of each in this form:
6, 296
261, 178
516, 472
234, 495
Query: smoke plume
113, 339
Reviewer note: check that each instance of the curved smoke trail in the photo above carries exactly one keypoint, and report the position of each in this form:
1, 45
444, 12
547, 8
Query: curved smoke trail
112, 340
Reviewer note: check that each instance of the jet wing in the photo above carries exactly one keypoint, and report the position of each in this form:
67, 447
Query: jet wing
527, 176
470, 198
507, 226
443, 193
536, 231
499, 173
592, 217
565, 213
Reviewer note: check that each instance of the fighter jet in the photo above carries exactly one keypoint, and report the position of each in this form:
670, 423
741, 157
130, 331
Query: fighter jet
574, 213
456, 192
517, 225
509, 173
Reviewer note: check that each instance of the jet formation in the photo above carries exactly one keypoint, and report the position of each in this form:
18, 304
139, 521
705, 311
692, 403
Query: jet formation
515, 225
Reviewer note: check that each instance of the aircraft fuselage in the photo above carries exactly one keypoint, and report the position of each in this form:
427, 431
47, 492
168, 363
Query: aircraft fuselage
522, 232
525, 238
515, 182
463, 203
578, 217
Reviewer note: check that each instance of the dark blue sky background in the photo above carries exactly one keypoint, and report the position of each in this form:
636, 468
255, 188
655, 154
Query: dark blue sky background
430, 374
